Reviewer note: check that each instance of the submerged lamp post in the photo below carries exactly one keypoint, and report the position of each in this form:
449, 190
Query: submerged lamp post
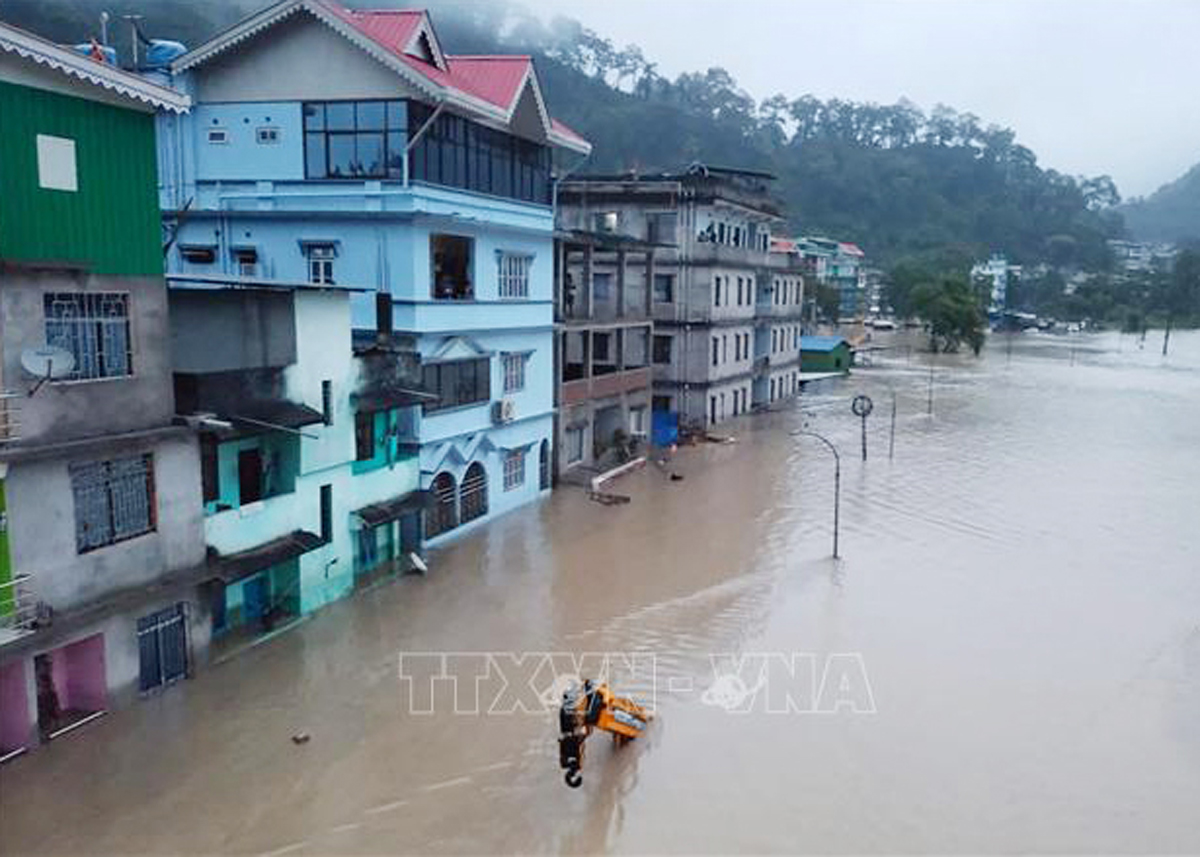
862, 407
837, 481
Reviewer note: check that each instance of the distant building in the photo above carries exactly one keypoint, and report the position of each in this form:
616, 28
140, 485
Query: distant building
998, 274
1138, 257
841, 265
726, 304
101, 549
825, 354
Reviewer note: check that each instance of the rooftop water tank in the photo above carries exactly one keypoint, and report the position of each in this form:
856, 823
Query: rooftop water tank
161, 52
86, 48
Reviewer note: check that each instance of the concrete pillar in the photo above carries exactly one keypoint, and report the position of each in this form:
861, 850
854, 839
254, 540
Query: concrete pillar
621, 260
589, 307
649, 284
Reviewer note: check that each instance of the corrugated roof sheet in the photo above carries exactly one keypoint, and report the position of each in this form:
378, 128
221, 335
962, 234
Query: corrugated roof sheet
821, 343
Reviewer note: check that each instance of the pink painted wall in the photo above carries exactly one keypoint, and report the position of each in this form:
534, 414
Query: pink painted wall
86, 683
15, 724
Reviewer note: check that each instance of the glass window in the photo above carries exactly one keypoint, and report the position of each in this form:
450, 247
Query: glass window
369, 154
473, 495
370, 115
574, 444
364, 436
341, 156
513, 274
514, 469
514, 372
451, 267
662, 350
457, 383
94, 327
664, 288
339, 116
114, 500
602, 286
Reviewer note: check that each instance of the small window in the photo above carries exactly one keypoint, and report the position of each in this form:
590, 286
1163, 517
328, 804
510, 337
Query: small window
661, 403
513, 274
364, 436
451, 267
218, 136
326, 513
664, 288
600, 345
246, 259
514, 469
198, 255
56, 163
637, 421
266, 136
514, 372
327, 402
662, 350
320, 263
716, 350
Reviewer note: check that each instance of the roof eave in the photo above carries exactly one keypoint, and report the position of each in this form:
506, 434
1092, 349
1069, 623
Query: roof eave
37, 49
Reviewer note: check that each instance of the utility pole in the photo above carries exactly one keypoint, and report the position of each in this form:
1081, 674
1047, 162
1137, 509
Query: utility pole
837, 481
930, 404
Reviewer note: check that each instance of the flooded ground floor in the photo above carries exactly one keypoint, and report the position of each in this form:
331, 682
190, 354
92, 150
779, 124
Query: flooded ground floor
1013, 633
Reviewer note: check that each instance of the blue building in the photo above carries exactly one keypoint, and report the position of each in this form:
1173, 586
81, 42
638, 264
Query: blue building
344, 148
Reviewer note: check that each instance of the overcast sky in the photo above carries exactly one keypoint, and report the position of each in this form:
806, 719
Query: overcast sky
1092, 86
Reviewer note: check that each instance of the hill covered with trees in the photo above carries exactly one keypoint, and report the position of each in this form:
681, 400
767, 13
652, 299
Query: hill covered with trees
898, 180
1171, 213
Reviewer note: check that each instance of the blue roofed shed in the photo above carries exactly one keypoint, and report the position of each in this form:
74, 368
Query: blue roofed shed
824, 354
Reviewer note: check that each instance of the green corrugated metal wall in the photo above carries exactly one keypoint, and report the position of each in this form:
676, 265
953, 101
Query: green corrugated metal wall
111, 224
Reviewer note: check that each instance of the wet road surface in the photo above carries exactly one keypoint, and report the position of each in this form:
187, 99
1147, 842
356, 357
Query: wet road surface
1021, 583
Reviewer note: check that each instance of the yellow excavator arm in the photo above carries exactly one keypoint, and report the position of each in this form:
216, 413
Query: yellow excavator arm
594, 706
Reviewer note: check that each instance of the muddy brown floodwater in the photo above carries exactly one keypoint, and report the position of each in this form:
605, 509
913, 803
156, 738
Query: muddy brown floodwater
1021, 584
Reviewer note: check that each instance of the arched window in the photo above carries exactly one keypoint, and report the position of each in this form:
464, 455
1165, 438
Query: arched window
443, 516
544, 465
473, 494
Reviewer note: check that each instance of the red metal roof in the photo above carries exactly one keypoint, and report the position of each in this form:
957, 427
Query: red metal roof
852, 249
495, 79
391, 28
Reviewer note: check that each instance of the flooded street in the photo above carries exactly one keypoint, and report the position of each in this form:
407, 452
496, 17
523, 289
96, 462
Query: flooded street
1021, 582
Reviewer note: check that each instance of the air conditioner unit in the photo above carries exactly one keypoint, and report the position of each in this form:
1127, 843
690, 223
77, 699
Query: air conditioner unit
504, 411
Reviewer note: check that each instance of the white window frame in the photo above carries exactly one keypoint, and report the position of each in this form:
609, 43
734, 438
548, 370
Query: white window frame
512, 366
512, 271
320, 263
514, 469
56, 163
637, 421
97, 328
266, 135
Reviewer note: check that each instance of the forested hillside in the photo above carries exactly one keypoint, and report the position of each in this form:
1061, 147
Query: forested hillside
896, 179
1172, 213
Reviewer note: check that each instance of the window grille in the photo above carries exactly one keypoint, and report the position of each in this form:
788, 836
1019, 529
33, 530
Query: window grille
513, 274
94, 327
514, 469
473, 495
514, 372
114, 500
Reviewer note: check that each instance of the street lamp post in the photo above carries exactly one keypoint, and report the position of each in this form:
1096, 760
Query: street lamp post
837, 481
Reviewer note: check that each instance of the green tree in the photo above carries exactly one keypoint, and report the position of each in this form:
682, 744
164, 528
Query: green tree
951, 309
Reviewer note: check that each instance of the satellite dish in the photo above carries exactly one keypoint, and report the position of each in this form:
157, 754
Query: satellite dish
48, 361
418, 563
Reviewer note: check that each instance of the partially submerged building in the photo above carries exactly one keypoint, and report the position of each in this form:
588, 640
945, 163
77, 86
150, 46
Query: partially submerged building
101, 549
726, 308
337, 146
604, 282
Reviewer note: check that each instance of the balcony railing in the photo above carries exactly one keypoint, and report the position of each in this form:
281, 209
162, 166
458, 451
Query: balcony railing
10, 423
19, 611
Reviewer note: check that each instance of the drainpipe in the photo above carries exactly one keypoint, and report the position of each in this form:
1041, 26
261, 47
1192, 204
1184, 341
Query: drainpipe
416, 138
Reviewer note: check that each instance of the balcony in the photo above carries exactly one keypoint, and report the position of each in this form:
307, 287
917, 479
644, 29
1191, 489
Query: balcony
18, 609
603, 386
10, 423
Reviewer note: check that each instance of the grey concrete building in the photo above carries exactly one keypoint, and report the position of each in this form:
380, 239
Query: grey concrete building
603, 337
726, 298
100, 528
